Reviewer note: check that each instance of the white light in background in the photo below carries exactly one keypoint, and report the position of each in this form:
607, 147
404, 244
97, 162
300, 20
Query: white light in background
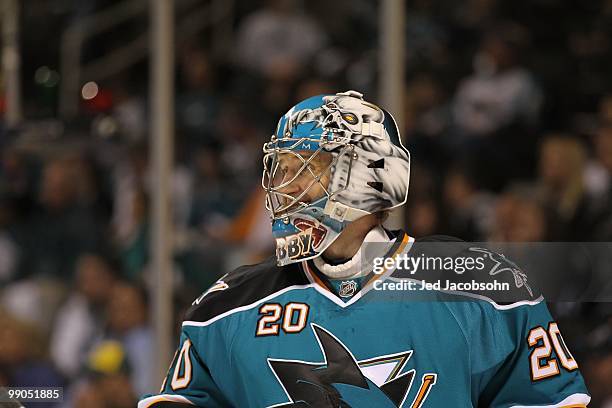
89, 90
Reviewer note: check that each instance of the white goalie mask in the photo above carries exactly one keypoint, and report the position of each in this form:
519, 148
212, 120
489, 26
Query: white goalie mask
331, 160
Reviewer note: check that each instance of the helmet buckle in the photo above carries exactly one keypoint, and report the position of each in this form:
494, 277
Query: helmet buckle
336, 210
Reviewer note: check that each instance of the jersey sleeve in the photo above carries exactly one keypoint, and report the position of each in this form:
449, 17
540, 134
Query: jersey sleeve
538, 369
188, 382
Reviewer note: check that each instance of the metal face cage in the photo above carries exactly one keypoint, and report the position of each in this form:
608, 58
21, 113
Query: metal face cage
275, 179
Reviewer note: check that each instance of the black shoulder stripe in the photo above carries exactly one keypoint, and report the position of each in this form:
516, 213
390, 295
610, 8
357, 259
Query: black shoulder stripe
439, 238
470, 267
244, 286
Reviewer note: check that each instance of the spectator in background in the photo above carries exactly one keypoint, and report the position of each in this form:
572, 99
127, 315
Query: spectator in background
129, 181
426, 37
196, 103
519, 216
560, 186
128, 324
425, 105
66, 223
279, 40
561, 179
495, 110
108, 383
17, 177
501, 92
23, 356
598, 178
134, 246
469, 212
276, 44
9, 249
474, 15
589, 47
247, 232
241, 146
427, 120
78, 320
212, 203
132, 181
529, 221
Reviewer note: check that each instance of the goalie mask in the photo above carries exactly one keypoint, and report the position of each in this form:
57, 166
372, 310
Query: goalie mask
332, 160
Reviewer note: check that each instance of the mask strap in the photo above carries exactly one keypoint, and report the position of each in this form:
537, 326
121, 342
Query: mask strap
340, 212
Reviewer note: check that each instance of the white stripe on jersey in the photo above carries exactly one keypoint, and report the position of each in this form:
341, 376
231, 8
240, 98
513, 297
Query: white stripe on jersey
572, 400
246, 307
147, 402
480, 297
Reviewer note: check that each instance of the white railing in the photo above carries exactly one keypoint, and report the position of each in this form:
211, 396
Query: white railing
217, 14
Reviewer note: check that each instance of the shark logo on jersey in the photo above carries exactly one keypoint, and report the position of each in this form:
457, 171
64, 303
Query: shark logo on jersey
340, 381
503, 264
219, 285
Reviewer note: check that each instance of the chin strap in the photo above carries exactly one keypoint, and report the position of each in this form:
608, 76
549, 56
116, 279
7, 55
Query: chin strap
354, 267
340, 212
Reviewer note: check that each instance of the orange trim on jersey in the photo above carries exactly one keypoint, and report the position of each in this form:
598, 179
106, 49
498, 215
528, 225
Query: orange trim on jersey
316, 279
405, 241
313, 276
164, 399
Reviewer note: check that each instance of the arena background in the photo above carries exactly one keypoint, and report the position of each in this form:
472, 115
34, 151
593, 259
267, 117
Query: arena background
506, 108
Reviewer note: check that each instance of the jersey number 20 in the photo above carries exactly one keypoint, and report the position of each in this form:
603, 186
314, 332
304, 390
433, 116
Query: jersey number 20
291, 318
542, 365
181, 379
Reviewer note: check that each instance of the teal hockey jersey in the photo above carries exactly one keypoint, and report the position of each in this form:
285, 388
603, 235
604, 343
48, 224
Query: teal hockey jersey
269, 336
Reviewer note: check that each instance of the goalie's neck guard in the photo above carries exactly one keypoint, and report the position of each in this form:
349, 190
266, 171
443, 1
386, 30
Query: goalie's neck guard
375, 243
349, 161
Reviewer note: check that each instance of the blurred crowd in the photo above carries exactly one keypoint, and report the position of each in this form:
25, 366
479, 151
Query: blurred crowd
508, 117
